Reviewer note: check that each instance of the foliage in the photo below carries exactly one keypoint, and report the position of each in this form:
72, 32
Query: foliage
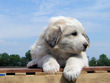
14, 59
23, 61
4, 59
28, 56
102, 61
93, 62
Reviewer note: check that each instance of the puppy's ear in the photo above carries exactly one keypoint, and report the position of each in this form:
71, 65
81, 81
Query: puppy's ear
87, 38
52, 36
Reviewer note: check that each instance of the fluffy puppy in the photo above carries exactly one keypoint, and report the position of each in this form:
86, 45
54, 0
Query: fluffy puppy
63, 43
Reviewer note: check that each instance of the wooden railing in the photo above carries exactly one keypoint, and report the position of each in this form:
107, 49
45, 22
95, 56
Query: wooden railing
36, 75
86, 69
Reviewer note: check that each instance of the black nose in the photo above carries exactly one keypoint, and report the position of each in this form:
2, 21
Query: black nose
85, 45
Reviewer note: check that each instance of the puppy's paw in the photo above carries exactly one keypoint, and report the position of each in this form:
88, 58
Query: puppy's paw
31, 64
71, 73
51, 67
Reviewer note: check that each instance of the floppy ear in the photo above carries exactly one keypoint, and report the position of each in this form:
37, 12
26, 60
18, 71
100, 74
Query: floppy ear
87, 38
52, 36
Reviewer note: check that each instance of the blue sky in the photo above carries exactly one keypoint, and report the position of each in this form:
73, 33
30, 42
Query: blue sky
21, 22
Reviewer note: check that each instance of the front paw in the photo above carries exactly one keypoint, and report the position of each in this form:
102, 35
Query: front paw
31, 64
71, 73
51, 67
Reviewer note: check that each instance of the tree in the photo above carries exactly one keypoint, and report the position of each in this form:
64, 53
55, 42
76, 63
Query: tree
28, 56
14, 60
23, 61
103, 60
4, 59
93, 62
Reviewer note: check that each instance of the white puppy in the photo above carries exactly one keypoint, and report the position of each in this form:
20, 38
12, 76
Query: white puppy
63, 43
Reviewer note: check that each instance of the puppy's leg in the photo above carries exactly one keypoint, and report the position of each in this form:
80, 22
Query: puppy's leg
32, 63
50, 64
37, 52
73, 68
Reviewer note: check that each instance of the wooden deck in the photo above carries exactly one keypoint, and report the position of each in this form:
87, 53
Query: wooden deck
36, 75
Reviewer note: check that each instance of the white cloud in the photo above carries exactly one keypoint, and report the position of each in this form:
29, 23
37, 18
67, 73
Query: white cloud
20, 31
40, 19
14, 47
20, 25
8, 43
12, 28
2, 41
46, 7
101, 4
94, 27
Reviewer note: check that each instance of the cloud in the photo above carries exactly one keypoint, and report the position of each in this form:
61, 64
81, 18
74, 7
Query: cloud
50, 7
14, 47
40, 19
2, 41
94, 27
101, 4
12, 28
46, 7
20, 31
28, 21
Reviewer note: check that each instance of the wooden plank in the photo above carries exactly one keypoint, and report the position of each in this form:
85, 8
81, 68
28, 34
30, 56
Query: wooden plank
94, 78
57, 78
97, 68
23, 75
20, 74
13, 70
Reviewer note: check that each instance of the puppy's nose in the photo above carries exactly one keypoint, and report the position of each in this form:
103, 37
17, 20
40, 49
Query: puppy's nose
85, 45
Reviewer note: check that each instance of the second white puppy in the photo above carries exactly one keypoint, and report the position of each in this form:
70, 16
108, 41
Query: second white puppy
63, 43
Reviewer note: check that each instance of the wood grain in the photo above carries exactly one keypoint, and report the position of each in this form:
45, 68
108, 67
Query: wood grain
13, 70
36, 75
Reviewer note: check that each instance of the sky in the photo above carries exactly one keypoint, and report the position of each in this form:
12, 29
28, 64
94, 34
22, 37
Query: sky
21, 22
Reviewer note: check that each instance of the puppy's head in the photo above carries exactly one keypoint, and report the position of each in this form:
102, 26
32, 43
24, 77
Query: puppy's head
66, 34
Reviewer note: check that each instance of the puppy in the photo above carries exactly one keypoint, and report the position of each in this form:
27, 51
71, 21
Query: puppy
63, 43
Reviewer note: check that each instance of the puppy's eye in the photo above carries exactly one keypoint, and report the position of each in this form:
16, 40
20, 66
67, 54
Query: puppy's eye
74, 33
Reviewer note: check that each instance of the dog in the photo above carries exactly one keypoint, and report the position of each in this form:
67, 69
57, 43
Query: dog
63, 43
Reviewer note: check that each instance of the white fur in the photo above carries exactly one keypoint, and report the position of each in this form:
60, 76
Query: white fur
50, 59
